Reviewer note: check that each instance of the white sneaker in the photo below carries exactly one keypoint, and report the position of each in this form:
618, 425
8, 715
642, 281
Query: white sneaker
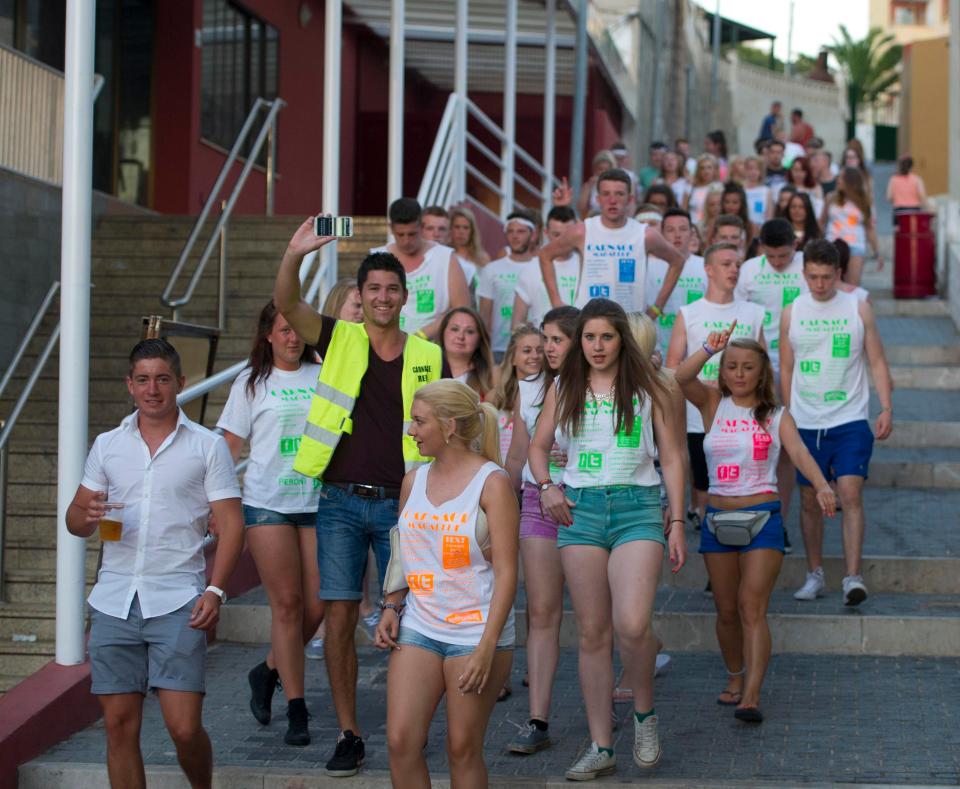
663, 663
854, 590
314, 650
812, 588
592, 764
646, 742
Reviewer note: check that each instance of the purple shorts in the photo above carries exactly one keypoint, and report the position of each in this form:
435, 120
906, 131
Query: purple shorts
532, 522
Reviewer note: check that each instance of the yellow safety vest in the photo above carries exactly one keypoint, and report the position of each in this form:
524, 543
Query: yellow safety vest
338, 387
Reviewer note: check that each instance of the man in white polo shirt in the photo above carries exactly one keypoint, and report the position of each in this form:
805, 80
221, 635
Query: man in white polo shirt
149, 608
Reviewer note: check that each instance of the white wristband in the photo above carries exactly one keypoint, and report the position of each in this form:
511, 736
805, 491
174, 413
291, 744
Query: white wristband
218, 592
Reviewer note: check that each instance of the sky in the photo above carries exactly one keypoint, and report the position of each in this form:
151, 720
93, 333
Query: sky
815, 22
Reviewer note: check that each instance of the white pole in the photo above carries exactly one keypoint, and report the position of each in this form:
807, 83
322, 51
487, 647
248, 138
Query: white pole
578, 130
509, 109
395, 130
460, 88
788, 66
74, 321
333, 23
549, 104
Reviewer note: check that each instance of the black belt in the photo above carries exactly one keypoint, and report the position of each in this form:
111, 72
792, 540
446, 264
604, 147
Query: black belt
367, 491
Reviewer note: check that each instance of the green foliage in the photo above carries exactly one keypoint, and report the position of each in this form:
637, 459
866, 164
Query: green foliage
869, 65
746, 54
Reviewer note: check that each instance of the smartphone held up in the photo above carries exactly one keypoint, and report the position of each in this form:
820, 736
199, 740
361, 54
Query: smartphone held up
337, 226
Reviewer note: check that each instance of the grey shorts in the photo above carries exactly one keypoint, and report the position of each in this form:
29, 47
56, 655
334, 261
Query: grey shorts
134, 655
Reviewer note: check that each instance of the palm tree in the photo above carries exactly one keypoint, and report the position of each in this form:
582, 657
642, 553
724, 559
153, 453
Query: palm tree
869, 65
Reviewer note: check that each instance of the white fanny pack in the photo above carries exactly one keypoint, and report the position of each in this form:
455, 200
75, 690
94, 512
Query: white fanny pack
736, 528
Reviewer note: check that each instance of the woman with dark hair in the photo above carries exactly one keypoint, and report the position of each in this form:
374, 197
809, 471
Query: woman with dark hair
905, 189
784, 194
800, 175
803, 219
268, 407
843, 253
734, 201
466, 347
660, 195
742, 536
542, 572
609, 403
716, 143
848, 215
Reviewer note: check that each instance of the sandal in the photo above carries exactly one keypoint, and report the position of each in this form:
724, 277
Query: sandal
505, 693
729, 698
748, 714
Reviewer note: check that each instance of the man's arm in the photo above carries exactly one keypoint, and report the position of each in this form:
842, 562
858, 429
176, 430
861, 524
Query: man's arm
786, 356
559, 248
657, 246
286, 290
879, 369
85, 511
458, 296
520, 311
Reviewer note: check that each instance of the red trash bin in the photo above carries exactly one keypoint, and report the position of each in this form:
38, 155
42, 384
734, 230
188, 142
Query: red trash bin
914, 256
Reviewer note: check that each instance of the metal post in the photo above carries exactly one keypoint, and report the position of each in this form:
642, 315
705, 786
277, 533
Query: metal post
788, 66
330, 199
639, 128
577, 134
953, 123
460, 88
395, 130
271, 165
75, 320
656, 113
549, 104
3, 513
509, 110
715, 63
222, 284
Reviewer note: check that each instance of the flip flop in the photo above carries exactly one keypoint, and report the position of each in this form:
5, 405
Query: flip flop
732, 700
748, 714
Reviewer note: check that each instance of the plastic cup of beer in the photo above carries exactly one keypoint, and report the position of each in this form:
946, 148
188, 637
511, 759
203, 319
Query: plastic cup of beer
111, 524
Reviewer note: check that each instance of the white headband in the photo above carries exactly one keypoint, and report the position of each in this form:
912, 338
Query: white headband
649, 216
522, 221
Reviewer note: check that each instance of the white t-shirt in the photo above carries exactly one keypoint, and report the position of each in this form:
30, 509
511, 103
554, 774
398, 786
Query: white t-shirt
829, 386
681, 188
428, 288
273, 420
758, 199
533, 292
498, 282
690, 287
773, 290
614, 264
703, 317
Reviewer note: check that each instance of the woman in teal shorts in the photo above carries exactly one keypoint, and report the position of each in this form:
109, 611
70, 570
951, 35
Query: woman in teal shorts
617, 413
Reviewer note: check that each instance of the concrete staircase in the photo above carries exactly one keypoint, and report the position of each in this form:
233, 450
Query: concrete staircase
912, 540
132, 258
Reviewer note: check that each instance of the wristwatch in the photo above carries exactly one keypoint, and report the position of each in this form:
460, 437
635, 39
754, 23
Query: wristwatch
397, 608
545, 484
218, 592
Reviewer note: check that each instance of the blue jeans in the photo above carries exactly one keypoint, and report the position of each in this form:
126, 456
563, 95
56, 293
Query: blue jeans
347, 527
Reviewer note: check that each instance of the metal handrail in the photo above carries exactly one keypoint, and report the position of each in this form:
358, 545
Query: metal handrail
34, 325
443, 134
268, 128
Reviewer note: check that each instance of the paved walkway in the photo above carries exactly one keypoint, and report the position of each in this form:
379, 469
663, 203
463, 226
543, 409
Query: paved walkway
848, 719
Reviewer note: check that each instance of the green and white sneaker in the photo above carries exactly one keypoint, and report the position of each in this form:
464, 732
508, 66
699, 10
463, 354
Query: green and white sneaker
646, 742
592, 764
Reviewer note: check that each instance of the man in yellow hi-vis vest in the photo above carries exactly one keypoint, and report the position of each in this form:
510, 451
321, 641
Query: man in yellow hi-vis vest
355, 443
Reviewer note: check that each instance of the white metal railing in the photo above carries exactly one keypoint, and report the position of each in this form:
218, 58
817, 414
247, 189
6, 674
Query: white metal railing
6, 426
266, 135
444, 168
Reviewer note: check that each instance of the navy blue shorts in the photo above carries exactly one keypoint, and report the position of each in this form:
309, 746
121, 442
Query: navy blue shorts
770, 536
840, 451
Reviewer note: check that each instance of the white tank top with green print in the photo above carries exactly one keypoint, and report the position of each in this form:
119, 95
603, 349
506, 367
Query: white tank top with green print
829, 386
428, 289
598, 456
703, 317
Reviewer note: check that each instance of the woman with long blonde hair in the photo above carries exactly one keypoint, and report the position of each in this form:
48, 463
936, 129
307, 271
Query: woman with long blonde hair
465, 237
849, 215
706, 173
457, 635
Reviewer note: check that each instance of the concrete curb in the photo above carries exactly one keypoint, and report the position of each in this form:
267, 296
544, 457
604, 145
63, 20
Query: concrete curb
54, 775
910, 308
941, 476
913, 434
925, 377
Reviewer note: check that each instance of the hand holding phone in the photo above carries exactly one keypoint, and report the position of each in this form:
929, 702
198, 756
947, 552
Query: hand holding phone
333, 226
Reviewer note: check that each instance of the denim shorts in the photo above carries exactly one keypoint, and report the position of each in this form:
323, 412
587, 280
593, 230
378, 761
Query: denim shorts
348, 526
410, 637
258, 516
533, 521
840, 451
770, 536
134, 655
611, 516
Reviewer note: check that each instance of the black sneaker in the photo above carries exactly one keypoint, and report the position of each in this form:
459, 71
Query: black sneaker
297, 731
263, 682
347, 759
787, 547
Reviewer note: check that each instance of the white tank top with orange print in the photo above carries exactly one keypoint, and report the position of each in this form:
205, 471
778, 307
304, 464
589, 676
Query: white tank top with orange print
450, 582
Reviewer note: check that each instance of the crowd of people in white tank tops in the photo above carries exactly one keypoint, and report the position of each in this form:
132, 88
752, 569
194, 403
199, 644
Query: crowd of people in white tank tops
665, 355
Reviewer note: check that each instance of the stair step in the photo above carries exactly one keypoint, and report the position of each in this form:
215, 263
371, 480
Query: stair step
922, 354
27, 619
936, 331
685, 619
23, 658
36, 586
925, 377
920, 308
